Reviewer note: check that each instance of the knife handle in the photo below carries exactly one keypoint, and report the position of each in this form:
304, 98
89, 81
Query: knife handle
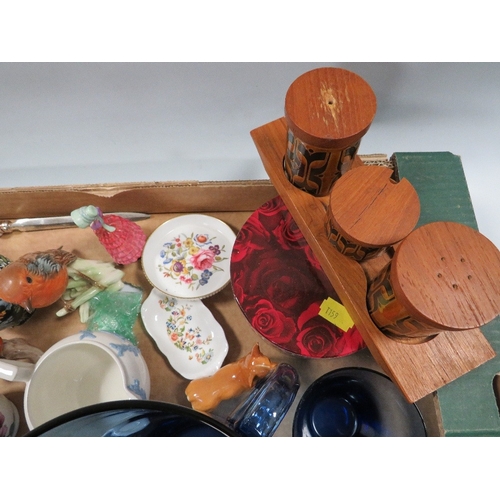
5, 227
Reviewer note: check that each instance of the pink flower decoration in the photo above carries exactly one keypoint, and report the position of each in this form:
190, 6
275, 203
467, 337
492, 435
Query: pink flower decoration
204, 259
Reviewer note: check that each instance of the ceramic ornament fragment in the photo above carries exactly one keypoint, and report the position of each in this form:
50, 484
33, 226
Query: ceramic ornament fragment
123, 239
19, 349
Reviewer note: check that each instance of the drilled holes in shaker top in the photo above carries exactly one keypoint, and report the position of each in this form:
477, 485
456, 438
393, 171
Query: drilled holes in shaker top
455, 286
439, 274
469, 276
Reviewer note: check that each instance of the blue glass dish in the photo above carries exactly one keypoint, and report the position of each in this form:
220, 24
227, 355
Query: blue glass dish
262, 412
356, 402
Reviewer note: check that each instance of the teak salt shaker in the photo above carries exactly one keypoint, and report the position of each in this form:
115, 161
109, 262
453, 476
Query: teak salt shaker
328, 111
369, 211
443, 276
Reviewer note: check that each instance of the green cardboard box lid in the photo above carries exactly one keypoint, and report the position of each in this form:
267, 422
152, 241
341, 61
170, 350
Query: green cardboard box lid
467, 405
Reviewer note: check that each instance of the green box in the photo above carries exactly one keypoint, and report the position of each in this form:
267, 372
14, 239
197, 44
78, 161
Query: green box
468, 405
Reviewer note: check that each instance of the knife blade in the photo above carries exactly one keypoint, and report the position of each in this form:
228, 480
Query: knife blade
58, 222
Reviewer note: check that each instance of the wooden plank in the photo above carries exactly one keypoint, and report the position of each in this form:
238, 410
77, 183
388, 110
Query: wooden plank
417, 369
155, 198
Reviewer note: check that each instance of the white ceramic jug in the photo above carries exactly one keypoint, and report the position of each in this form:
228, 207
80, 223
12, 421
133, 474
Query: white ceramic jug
83, 369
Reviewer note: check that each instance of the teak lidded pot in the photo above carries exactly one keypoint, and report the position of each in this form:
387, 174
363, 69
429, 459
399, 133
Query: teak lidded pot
369, 211
443, 276
327, 111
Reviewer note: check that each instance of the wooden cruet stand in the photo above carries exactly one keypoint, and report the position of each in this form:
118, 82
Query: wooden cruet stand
417, 369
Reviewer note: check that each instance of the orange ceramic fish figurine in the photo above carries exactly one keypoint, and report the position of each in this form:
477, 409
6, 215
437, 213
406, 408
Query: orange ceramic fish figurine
205, 394
122, 238
36, 279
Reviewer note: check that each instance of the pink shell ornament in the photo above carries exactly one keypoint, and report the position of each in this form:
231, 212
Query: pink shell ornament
123, 239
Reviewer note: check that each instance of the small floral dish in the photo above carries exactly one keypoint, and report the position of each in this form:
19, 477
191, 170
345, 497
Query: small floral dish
188, 257
186, 332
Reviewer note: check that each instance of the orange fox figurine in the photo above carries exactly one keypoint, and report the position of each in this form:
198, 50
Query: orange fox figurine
36, 279
205, 394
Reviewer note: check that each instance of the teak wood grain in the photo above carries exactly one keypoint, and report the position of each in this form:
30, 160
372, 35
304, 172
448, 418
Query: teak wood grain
447, 275
417, 369
371, 209
330, 108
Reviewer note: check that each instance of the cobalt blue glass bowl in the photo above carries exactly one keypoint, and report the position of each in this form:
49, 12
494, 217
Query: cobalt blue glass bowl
132, 418
352, 402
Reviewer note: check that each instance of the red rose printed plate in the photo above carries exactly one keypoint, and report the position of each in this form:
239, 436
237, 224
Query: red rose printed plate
279, 285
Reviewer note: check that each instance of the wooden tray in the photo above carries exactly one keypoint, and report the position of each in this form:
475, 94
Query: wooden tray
418, 369
231, 201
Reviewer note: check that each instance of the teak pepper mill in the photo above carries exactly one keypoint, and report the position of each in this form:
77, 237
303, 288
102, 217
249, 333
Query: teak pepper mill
328, 111
369, 211
443, 276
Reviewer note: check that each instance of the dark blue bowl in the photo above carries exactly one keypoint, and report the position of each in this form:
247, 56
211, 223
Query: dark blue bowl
351, 402
132, 418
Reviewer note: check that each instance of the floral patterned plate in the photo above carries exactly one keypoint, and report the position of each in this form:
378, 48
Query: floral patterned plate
188, 257
186, 332
280, 286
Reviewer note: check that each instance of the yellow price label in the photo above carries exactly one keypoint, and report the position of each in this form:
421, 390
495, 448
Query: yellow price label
336, 313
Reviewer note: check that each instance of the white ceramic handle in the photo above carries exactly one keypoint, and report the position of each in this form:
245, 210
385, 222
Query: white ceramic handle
16, 371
